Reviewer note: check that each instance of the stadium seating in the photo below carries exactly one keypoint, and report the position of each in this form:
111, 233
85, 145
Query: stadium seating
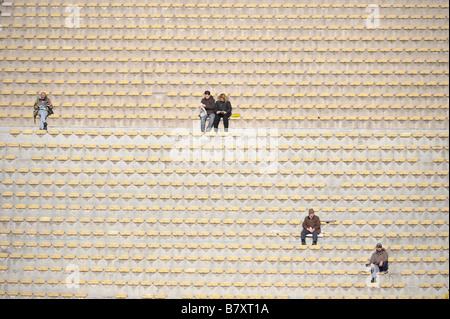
123, 197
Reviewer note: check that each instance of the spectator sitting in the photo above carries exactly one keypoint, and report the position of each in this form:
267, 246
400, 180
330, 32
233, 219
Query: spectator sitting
223, 110
43, 108
311, 225
209, 104
379, 261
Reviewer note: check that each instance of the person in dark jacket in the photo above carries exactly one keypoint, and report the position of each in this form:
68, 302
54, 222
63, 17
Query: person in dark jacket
223, 110
209, 104
378, 261
311, 225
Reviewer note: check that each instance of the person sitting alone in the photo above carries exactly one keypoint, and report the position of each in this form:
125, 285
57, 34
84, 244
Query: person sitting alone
378, 262
311, 225
43, 108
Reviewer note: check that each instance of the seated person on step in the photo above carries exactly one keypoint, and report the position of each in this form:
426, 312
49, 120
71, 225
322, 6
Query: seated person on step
43, 108
209, 105
223, 110
378, 261
311, 225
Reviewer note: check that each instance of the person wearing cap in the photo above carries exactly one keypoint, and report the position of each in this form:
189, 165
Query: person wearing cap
378, 261
209, 104
311, 225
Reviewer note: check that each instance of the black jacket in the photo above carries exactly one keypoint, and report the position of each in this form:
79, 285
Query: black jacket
223, 106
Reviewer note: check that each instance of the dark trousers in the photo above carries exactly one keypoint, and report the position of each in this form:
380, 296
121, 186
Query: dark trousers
306, 232
383, 268
225, 117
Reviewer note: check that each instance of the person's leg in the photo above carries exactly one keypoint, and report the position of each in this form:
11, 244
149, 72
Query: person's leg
202, 123
216, 122
212, 117
41, 120
384, 268
315, 236
374, 270
303, 236
225, 122
43, 116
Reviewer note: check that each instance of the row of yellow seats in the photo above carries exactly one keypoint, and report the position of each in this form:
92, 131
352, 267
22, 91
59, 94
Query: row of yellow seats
42, 294
408, 18
209, 27
245, 172
249, 95
73, 93
185, 132
359, 50
100, 83
287, 209
105, 117
95, 37
203, 158
231, 221
239, 106
220, 158
394, 185
122, 5
208, 146
237, 72
279, 185
219, 16
216, 258
204, 246
282, 147
48, 294
211, 284
218, 271
184, 60
193, 157
229, 234
143, 209
193, 258
224, 83
204, 183
242, 106
78, 295
216, 197
69, 116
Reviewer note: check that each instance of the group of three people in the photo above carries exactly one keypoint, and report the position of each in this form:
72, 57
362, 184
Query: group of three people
209, 109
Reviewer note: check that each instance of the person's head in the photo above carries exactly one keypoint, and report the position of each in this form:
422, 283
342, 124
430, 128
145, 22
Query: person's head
223, 97
207, 94
379, 247
311, 213
43, 95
